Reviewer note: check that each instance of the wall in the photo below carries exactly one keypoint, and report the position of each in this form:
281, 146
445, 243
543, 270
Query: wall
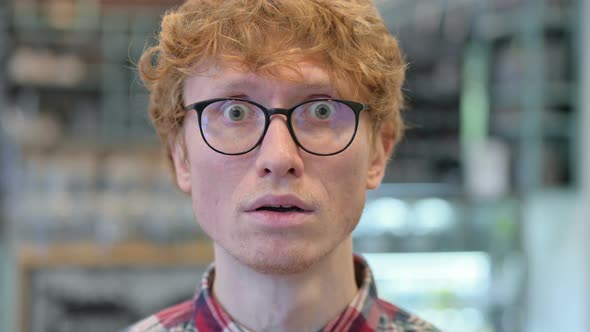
585, 166
556, 233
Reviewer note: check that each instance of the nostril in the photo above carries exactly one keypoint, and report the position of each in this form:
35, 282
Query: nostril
291, 171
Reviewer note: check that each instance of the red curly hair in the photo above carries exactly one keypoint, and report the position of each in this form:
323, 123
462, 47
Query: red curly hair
348, 38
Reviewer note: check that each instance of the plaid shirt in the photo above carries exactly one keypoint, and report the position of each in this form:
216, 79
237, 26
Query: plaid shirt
365, 313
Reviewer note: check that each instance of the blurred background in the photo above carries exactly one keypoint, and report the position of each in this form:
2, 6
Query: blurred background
481, 224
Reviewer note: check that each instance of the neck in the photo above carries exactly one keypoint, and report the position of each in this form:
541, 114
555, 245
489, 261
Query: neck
304, 301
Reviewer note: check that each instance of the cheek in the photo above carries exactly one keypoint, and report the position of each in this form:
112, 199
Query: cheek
343, 178
206, 197
213, 181
216, 181
348, 170
205, 168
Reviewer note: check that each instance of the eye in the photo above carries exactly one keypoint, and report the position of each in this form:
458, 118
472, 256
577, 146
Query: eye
322, 110
236, 112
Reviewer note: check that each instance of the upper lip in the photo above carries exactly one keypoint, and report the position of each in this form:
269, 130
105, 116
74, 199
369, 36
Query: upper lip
279, 200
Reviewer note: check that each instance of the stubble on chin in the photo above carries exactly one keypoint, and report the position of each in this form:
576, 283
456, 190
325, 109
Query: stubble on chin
283, 261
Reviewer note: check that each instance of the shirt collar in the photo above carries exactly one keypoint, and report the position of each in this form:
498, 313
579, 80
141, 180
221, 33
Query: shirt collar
363, 307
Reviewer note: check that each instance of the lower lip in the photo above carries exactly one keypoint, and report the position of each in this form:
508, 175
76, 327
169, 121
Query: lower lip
280, 219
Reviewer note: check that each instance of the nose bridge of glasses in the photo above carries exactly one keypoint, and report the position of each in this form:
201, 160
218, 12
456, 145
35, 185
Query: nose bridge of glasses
280, 111
274, 111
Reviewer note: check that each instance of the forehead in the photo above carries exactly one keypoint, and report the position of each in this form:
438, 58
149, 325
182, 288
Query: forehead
227, 78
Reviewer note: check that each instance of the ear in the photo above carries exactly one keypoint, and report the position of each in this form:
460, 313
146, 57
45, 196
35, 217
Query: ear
181, 165
382, 147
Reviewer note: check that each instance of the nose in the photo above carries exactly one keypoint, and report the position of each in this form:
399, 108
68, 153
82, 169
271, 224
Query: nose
278, 154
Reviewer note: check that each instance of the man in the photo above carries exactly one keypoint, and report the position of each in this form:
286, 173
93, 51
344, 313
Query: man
277, 116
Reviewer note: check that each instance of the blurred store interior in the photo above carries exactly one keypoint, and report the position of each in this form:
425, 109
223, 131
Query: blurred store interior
481, 226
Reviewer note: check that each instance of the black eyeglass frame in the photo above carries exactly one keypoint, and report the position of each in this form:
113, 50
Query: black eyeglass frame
200, 106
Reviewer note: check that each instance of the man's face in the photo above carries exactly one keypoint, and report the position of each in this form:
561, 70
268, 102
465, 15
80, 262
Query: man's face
231, 195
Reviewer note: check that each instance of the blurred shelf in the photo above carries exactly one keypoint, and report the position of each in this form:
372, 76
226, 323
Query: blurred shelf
516, 137
511, 23
404, 190
130, 254
83, 87
139, 141
75, 34
32, 259
157, 5
56, 38
78, 69
557, 93
531, 59
436, 91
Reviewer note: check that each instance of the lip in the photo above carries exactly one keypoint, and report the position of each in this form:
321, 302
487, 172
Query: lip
285, 200
280, 220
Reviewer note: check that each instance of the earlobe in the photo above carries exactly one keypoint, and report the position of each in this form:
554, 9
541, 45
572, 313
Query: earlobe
380, 153
181, 165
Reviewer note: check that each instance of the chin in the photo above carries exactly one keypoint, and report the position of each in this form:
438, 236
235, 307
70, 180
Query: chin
283, 261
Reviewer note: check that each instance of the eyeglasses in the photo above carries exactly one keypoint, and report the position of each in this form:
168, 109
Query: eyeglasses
234, 126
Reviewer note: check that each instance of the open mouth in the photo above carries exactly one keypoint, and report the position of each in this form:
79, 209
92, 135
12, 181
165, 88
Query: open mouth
280, 208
